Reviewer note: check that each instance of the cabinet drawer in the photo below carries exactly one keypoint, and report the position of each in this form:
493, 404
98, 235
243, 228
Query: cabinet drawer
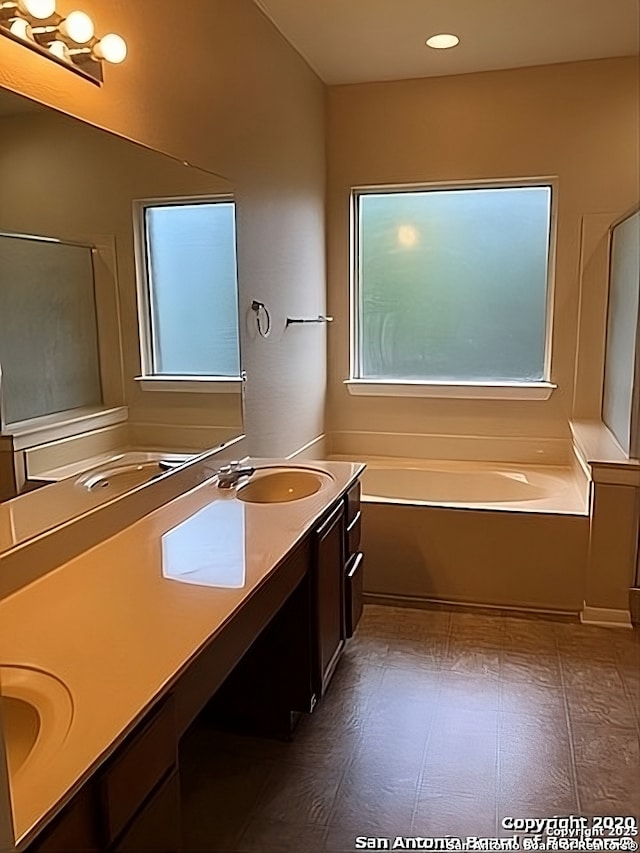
353, 534
157, 828
141, 762
353, 593
352, 502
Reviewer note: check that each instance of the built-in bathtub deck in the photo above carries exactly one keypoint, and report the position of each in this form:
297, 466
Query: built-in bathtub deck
483, 533
493, 486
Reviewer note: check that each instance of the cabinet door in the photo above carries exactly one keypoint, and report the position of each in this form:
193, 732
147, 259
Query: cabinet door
329, 596
145, 757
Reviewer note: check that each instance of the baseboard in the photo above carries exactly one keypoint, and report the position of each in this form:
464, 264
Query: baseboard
605, 617
634, 605
421, 603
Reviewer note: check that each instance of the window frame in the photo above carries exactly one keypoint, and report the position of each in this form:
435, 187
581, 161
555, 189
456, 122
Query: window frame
149, 379
511, 390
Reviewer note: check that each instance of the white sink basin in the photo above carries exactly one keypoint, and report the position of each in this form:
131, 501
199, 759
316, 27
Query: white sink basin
118, 478
36, 711
283, 485
21, 727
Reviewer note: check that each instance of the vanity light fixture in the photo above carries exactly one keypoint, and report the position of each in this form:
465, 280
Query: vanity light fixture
69, 40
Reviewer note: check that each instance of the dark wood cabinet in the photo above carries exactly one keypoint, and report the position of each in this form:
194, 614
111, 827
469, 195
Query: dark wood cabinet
139, 768
353, 594
352, 508
272, 683
289, 665
353, 580
328, 628
129, 803
76, 829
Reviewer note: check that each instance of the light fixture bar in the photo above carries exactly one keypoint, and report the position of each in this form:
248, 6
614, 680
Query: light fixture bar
68, 41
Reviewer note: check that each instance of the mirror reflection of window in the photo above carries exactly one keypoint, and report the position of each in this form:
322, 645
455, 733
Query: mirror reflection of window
208, 548
621, 394
190, 293
48, 328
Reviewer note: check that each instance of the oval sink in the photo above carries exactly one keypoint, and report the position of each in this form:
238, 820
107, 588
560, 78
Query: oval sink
36, 711
21, 728
282, 486
120, 477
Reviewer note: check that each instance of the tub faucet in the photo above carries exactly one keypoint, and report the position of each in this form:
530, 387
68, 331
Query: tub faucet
229, 475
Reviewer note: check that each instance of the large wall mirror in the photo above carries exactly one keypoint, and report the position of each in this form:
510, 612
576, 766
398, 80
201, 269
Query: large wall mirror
85, 191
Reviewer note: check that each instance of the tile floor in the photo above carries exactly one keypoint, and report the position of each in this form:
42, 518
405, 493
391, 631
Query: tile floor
436, 723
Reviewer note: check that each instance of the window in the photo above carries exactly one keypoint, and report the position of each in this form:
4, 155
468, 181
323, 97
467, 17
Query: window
451, 285
188, 289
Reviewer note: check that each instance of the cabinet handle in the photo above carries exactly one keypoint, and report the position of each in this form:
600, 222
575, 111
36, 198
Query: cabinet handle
354, 521
353, 571
326, 526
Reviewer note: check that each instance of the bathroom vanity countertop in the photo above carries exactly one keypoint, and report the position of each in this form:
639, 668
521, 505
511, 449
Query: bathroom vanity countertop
116, 456
118, 623
598, 448
33, 513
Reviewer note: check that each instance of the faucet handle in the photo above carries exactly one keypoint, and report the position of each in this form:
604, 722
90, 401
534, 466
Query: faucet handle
229, 475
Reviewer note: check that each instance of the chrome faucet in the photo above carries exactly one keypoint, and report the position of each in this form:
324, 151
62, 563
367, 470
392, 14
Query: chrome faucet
229, 475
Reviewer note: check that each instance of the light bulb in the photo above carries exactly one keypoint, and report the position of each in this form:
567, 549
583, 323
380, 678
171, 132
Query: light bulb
59, 49
112, 48
21, 28
407, 236
442, 41
77, 26
40, 9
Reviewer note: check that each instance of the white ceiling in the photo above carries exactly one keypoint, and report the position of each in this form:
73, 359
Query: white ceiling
356, 41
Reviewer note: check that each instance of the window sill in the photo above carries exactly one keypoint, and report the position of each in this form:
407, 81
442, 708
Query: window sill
73, 422
192, 384
458, 391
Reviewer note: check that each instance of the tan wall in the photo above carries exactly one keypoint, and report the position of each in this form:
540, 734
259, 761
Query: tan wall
613, 546
217, 85
577, 121
62, 178
504, 559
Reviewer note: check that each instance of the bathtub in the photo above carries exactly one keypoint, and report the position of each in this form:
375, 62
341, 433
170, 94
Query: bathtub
476, 485
490, 534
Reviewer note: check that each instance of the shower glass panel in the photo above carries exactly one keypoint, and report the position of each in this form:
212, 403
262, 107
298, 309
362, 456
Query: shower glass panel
48, 328
621, 403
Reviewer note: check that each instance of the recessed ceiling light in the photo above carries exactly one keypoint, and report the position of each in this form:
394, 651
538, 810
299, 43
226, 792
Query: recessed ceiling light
442, 41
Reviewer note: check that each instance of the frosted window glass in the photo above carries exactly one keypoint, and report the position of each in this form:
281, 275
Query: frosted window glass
452, 285
48, 328
193, 289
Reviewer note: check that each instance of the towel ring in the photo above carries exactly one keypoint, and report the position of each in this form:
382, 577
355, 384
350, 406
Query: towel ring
262, 314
